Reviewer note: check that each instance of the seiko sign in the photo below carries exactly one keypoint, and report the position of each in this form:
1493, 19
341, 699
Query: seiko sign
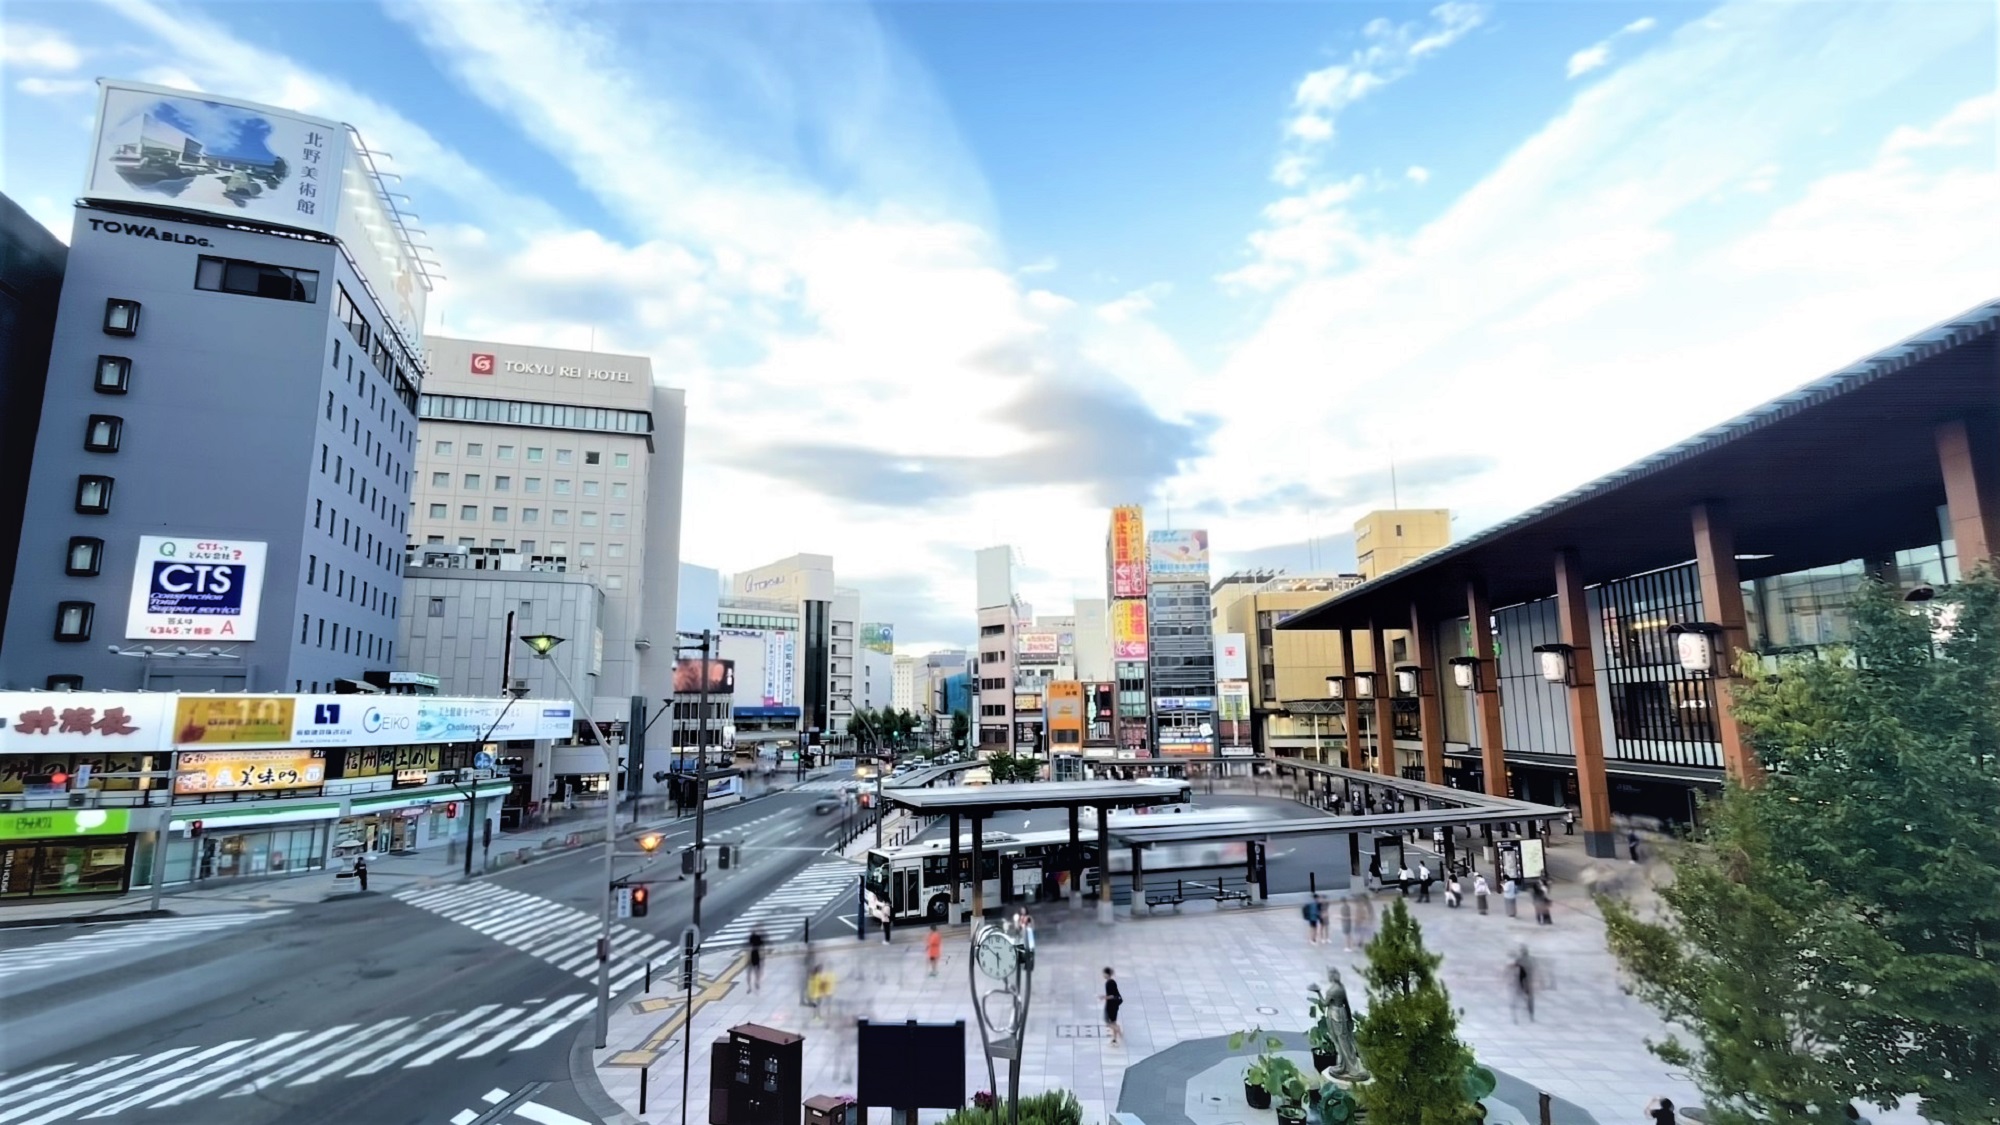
557, 371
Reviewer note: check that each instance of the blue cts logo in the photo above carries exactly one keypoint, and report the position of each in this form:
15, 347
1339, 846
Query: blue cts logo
326, 714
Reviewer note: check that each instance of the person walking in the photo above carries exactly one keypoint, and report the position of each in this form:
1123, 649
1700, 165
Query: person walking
1347, 925
1404, 877
1364, 921
1660, 1111
756, 959
1374, 871
1480, 890
1632, 845
819, 992
1544, 912
1453, 893
1310, 912
933, 948
1325, 910
1424, 880
1113, 1000
1510, 895
361, 872
1521, 981
1028, 939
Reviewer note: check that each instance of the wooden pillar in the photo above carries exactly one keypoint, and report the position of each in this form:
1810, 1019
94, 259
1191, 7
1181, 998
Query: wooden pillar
1971, 496
1586, 733
1486, 692
1722, 604
1430, 707
1350, 707
1385, 703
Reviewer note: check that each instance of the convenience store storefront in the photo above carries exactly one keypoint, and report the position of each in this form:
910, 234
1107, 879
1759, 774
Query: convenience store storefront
247, 843
412, 821
48, 853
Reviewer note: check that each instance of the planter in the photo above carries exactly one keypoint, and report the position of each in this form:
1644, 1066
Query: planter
1292, 1114
1257, 1096
1324, 1062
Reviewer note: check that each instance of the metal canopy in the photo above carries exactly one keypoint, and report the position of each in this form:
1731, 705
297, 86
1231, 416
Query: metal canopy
1021, 796
1843, 467
1170, 833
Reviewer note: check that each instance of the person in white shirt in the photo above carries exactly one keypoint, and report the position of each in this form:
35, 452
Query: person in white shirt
1480, 889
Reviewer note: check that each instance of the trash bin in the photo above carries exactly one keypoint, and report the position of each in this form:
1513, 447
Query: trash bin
831, 1109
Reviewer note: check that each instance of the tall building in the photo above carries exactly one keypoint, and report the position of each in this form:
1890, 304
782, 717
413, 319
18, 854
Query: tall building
1285, 671
1181, 643
877, 680
1390, 537
31, 272
563, 461
1125, 579
219, 500
904, 694
760, 638
798, 596
1093, 640
1000, 613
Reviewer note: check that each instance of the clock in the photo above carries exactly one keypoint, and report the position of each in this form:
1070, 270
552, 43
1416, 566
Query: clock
996, 954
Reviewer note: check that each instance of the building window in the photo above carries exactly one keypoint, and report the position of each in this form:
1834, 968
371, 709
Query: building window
93, 494
560, 517
618, 490
442, 449
590, 458
565, 456
85, 558
468, 511
104, 433
255, 279
618, 521
503, 452
114, 375
615, 550
590, 488
562, 487
345, 311
531, 484
475, 449
440, 480
471, 479
502, 484
440, 512
499, 515
589, 519
621, 460
64, 681
614, 582
535, 453
73, 620
437, 607
531, 515
586, 550
121, 317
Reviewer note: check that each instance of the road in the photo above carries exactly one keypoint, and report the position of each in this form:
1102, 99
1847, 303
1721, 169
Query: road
410, 1005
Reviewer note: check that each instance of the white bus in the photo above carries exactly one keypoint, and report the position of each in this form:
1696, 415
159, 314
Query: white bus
910, 883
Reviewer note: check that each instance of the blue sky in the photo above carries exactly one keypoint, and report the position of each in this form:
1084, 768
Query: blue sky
942, 275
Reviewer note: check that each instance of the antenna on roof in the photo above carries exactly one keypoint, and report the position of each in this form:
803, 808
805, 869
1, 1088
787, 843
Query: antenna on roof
1394, 500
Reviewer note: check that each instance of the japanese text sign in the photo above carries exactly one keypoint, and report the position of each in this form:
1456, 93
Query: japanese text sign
1128, 552
244, 770
222, 719
83, 722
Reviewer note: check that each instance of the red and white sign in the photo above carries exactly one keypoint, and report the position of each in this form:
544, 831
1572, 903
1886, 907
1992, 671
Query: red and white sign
1231, 661
482, 363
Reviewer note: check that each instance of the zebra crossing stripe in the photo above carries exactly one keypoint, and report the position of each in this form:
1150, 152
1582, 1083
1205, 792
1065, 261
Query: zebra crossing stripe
347, 1041
803, 894
99, 942
115, 1083
265, 1059
70, 1078
223, 1064
548, 931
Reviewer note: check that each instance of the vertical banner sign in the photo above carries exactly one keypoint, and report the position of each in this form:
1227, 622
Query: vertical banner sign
1128, 552
1128, 629
1231, 662
195, 589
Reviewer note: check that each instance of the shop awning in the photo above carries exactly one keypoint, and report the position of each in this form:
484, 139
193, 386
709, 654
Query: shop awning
411, 798
183, 816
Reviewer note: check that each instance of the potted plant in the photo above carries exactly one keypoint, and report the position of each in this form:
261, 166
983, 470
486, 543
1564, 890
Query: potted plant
1257, 1084
1336, 1103
1284, 1080
1325, 1050
1479, 1085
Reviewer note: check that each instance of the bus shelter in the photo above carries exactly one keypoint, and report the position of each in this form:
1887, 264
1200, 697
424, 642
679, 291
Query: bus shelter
978, 802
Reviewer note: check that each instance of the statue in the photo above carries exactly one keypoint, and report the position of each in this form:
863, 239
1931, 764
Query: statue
1333, 1029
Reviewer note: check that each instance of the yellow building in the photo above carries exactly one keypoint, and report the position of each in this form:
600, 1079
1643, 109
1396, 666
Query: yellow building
1288, 666
1389, 537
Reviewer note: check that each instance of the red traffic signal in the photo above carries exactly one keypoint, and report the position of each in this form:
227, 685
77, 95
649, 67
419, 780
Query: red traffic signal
194, 828
639, 902
58, 778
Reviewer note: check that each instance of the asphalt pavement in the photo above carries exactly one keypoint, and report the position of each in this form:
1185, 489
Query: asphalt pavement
426, 1003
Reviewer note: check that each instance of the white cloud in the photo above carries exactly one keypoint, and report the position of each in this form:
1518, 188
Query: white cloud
1597, 55
37, 48
1390, 51
1417, 174
54, 87
1642, 24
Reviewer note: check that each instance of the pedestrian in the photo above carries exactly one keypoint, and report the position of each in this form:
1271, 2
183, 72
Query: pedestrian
756, 959
1028, 939
1374, 871
1544, 915
1347, 924
1325, 913
933, 948
1510, 894
1113, 1000
1660, 1111
1310, 912
361, 871
1480, 890
1521, 973
888, 921
819, 992
1404, 877
1364, 922
1453, 892
1423, 880
1632, 845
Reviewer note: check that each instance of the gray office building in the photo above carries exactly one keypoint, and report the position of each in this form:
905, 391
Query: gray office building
1180, 642
31, 271
220, 490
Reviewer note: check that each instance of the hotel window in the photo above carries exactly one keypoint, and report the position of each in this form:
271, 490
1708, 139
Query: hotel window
503, 484
614, 582
103, 433
560, 517
527, 548
440, 480
468, 511
562, 487
531, 515
590, 488
472, 481
618, 490
346, 312
439, 512
589, 519
93, 494
531, 484
535, 453
255, 279
590, 458
114, 375
73, 620
121, 317
475, 449
503, 452
621, 460
559, 548
433, 540
442, 449
85, 557
615, 550
465, 540
618, 521
500, 514
437, 607
565, 456
586, 550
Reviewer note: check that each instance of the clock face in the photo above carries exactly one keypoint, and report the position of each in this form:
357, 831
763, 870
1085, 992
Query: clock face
996, 955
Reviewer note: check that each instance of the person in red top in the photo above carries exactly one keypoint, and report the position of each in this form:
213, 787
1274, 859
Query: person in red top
933, 948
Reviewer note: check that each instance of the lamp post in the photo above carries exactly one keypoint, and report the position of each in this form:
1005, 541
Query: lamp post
542, 644
700, 772
875, 737
471, 789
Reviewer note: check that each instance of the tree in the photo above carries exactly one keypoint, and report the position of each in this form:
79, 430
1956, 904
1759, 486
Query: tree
1409, 1037
961, 728
1005, 766
1835, 930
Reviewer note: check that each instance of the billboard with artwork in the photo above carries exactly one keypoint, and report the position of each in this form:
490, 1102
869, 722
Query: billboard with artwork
1128, 552
721, 676
1177, 556
879, 636
1038, 647
1231, 661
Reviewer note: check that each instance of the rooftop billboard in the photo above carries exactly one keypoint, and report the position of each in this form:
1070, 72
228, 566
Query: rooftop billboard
1177, 556
1128, 552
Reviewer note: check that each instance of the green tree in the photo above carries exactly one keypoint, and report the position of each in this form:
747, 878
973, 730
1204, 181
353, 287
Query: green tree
1409, 1037
1835, 930
961, 728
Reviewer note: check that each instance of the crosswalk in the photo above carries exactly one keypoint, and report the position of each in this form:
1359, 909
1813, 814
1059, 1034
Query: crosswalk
243, 1067
533, 1112
824, 785
97, 943
560, 935
800, 896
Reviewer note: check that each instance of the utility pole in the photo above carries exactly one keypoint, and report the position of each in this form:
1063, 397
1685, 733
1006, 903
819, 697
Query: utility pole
701, 787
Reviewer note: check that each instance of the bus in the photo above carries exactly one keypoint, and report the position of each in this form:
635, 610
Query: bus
910, 883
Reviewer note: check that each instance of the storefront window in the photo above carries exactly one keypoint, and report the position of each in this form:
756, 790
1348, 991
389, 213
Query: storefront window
65, 867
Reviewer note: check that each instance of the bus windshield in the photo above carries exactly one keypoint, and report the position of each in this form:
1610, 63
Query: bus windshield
877, 878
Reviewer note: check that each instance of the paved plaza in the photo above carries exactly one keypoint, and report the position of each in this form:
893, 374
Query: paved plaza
1193, 976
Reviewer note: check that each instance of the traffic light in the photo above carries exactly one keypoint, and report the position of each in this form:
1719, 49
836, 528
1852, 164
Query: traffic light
640, 903
687, 861
59, 779
194, 829
722, 856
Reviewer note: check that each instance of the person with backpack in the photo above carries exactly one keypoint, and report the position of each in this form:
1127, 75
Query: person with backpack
1310, 912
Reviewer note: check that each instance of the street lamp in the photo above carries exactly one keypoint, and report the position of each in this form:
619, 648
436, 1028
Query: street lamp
1465, 672
1697, 645
1557, 662
1407, 678
542, 644
876, 738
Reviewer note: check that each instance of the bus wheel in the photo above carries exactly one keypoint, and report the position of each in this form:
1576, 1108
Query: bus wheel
938, 907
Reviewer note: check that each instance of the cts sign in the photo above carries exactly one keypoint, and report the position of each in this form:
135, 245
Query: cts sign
199, 589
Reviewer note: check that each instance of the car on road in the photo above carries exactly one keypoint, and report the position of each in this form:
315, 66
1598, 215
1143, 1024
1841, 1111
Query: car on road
826, 805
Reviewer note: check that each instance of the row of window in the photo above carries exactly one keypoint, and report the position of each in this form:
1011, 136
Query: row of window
558, 517
459, 408
536, 454
394, 363
334, 579
103, 433
344, 639
562, 486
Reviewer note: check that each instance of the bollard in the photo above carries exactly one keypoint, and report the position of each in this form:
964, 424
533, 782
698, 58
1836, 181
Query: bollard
1312, 881
645, 1070
649, 976
1546, 1110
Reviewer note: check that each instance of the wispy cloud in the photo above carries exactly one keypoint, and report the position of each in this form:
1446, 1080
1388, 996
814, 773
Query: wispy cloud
1598, 54
37, 48
1388, 52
